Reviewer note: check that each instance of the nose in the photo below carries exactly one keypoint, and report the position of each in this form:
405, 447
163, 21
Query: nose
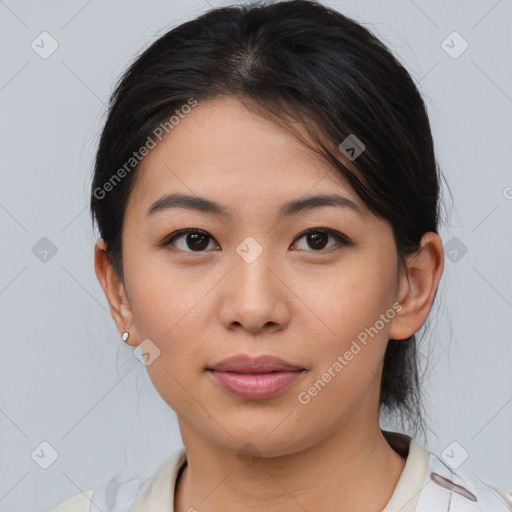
254, 297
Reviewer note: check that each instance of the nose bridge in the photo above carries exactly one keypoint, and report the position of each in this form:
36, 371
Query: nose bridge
252, 270
253, 297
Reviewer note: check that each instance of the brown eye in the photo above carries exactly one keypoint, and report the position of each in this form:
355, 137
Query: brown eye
317, 239
191, 240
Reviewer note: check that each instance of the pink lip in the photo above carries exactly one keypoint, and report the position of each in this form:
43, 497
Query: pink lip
256, 386
255, 378
244, 363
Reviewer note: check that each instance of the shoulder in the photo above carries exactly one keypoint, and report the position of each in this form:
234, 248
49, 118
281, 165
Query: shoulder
444, 489
127, 491
78, 503
113, 495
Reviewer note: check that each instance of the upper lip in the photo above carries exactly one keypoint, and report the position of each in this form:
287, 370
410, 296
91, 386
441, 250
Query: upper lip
247, 364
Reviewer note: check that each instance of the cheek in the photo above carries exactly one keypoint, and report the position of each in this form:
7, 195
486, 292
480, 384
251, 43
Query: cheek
352, 298
350, 303
348, 364
168, 308
163, 295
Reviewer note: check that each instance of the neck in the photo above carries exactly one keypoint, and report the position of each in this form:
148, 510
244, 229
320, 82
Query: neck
346, 471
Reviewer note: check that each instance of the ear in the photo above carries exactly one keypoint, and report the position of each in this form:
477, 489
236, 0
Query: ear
417, 286
115, 292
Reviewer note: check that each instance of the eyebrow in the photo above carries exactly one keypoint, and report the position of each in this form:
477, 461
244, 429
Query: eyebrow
294, 207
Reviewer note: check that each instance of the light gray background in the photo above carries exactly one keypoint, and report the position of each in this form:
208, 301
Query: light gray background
66, 377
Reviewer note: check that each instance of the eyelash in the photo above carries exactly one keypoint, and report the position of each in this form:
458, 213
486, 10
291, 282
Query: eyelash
169, 240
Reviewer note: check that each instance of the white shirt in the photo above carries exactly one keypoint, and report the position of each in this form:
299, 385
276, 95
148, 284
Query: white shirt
426, 484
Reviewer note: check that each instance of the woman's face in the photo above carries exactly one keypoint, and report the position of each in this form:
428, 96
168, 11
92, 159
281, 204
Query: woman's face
252, 283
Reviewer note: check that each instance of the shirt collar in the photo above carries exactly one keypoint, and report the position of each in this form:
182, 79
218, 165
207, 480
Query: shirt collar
407, 491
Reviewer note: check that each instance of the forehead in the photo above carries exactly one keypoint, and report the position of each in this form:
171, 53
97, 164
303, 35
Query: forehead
223, 150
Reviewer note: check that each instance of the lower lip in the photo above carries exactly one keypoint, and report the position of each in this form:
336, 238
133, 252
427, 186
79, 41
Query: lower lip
254, 386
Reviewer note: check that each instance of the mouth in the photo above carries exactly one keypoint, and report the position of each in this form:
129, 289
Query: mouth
256, 385
254, 373
255, 377
245, 363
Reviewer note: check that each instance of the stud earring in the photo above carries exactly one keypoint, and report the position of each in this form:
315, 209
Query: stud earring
125, 335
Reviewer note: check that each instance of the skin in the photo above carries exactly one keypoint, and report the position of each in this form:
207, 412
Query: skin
301, 304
